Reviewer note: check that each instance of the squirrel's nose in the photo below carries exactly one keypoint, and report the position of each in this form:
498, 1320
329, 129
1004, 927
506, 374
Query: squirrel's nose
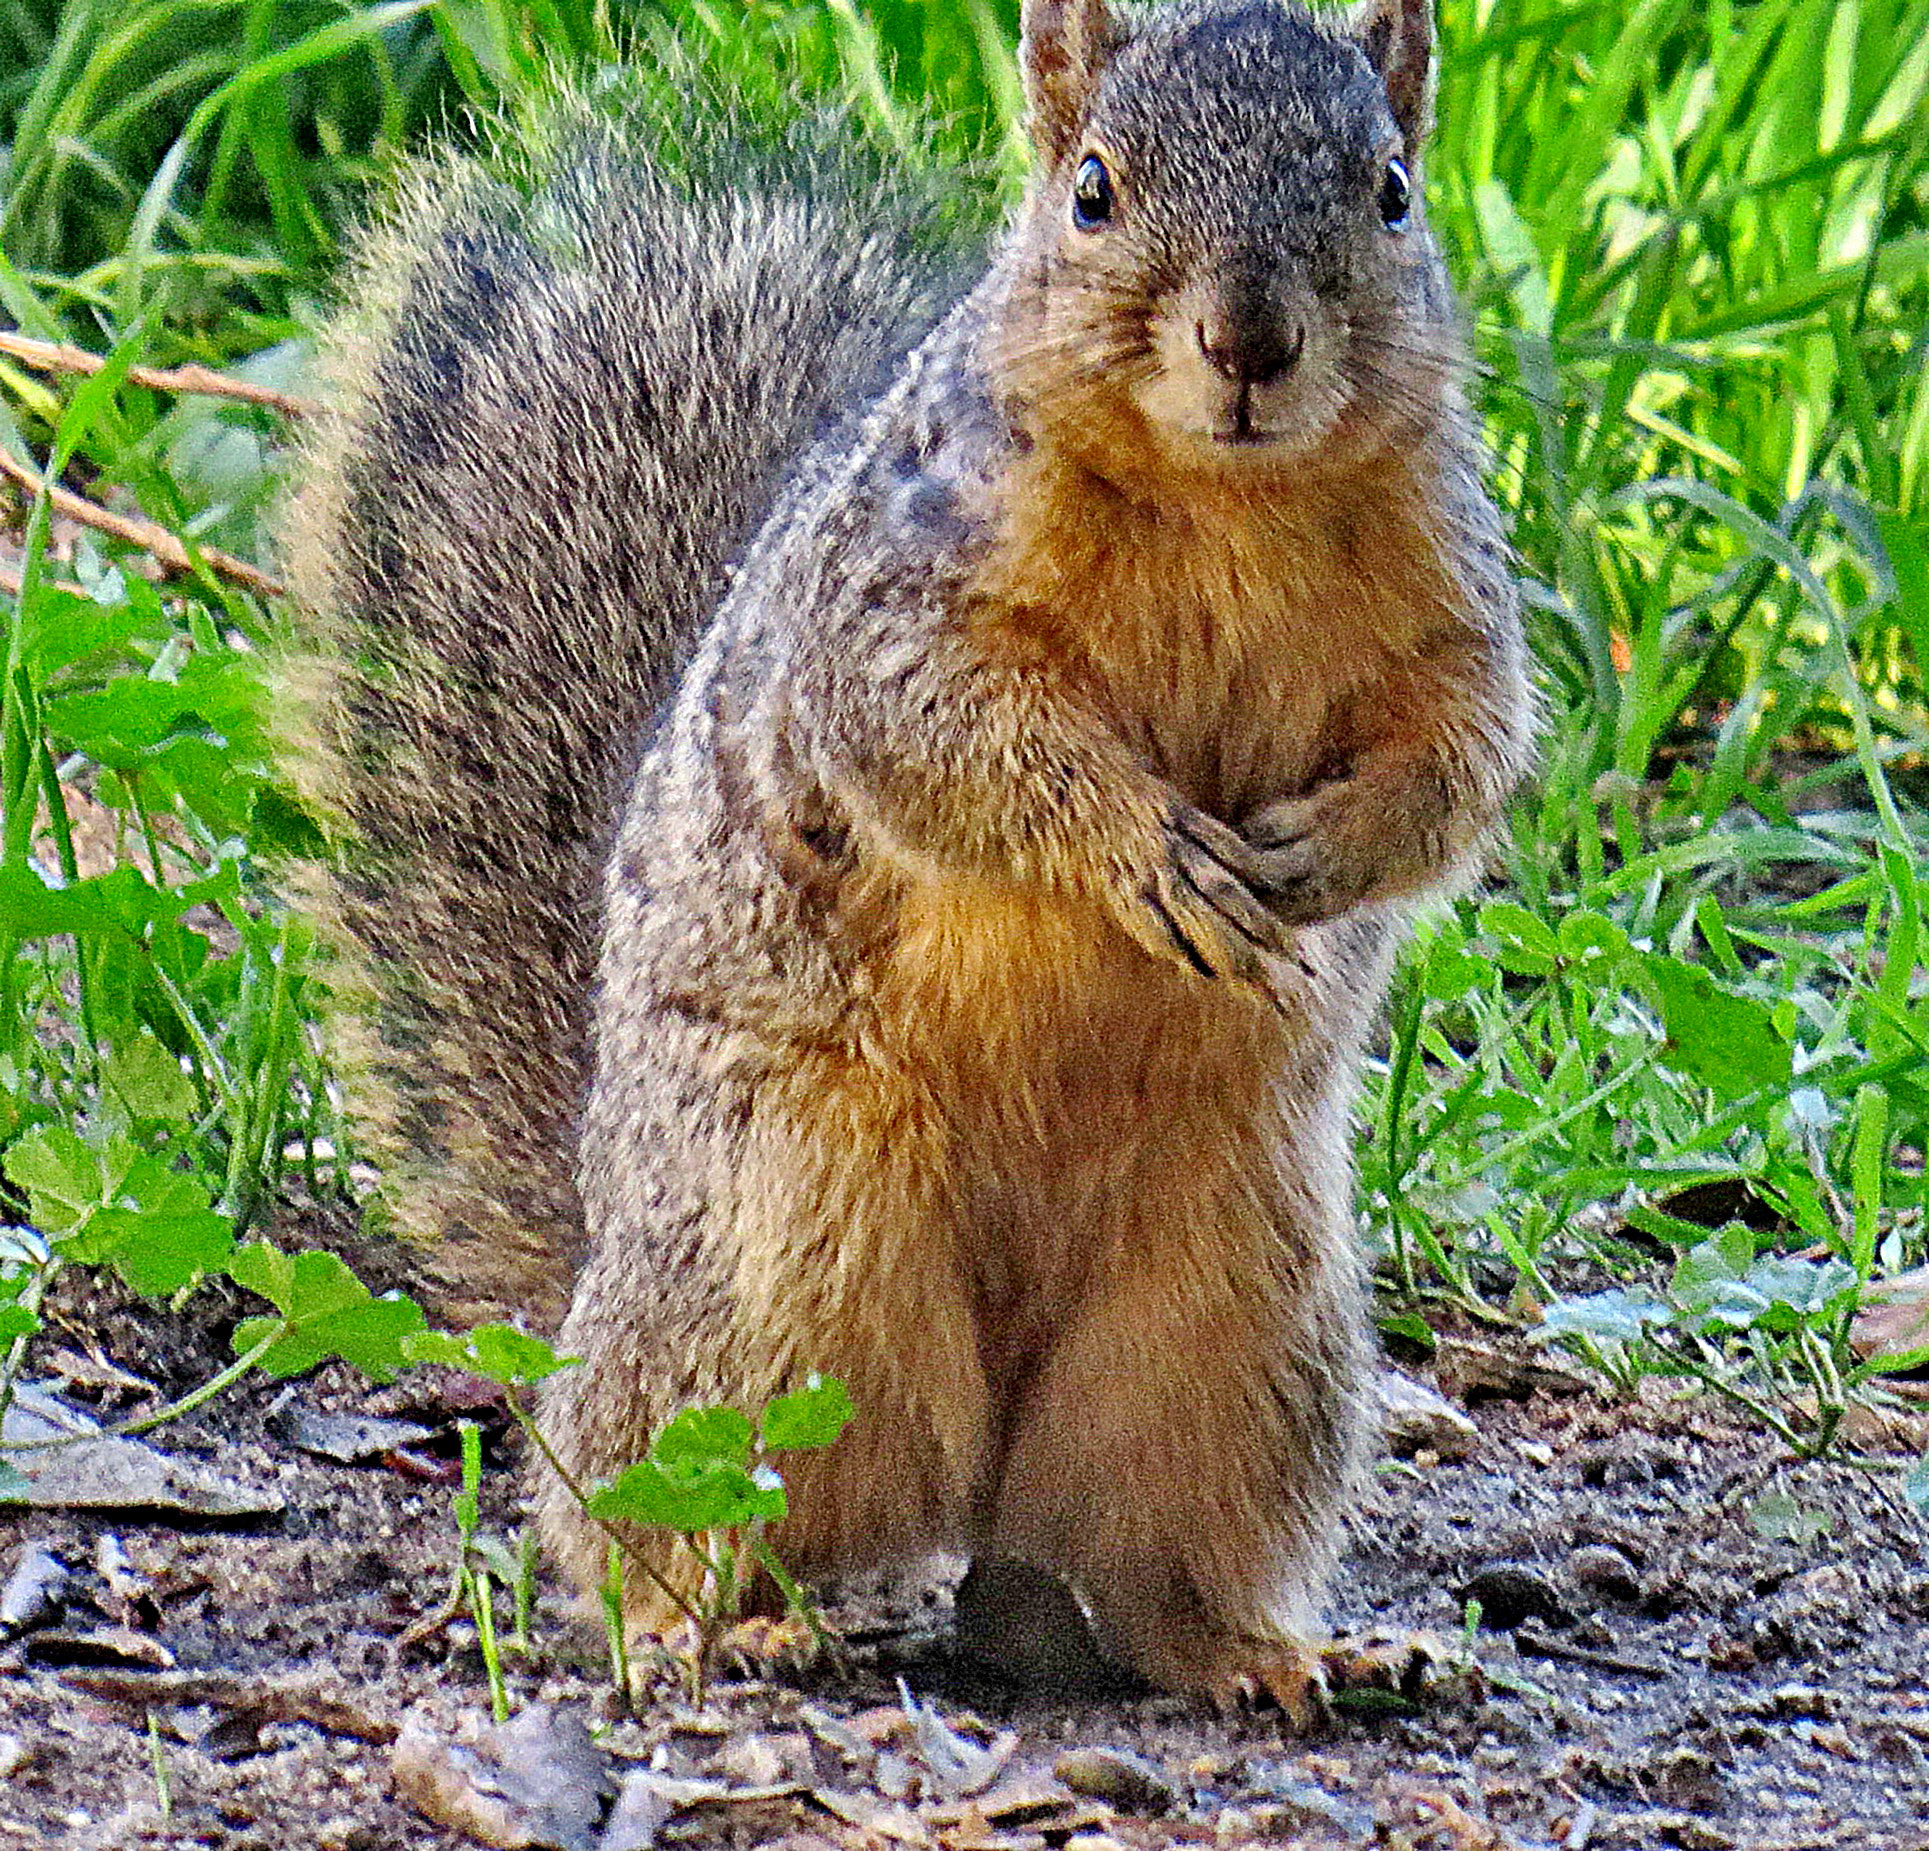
1252, 352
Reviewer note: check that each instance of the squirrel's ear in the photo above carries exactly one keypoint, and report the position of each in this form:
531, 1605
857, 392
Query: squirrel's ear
1063, 46
1397, 37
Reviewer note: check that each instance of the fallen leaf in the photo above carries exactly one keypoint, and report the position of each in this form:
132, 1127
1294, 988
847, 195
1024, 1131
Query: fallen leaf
1893, 1318
69, 1473
534, 1782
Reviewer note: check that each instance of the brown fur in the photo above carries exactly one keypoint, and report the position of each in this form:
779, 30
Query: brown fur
995, 919
508, 527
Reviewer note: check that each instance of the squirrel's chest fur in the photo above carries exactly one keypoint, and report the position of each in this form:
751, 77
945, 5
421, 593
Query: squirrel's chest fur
1227, 645
1227, 637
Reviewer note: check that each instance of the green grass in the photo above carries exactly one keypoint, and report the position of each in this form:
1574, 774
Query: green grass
1694, 242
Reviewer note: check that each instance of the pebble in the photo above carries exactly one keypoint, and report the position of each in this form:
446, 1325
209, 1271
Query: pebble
1510, 1592
1599, 1569
1418, 1421
1215, 1767
1802, 1700
1293, 1807
34, 1590
753, 1761
1119, 1777
13, 1756
346, 1835
1689, 1779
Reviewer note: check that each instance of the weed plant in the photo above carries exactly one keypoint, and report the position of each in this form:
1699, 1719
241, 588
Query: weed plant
1660, 1094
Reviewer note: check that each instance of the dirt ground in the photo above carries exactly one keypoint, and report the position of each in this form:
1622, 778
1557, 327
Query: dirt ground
1655, 1669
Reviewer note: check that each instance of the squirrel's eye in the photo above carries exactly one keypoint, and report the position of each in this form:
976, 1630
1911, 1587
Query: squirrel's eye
1396, 196
1091, 194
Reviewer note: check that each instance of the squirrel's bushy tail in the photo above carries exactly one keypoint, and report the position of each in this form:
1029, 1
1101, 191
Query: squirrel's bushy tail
560, 399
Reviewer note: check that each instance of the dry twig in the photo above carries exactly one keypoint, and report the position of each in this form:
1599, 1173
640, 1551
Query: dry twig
278, 1697
53, 357
151, 536
12, 583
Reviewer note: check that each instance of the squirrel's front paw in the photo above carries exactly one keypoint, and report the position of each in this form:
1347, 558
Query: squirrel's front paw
1304, 861
1202, 905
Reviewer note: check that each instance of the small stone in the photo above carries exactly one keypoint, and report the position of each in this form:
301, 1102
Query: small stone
1833, 1740
1214, 1768
1536, 1452
1598, 1569
345, 1835
1418, 1421
34, 1590
1119, 1777
67, 1469
1293, 1806
13, 1756
536, 1779
1510, 1593
1689, 1779
641, 1812
1333, 1770
1726, 1653
959, 1765
101, 1645
348, 1439
1802, 1700
753, 1761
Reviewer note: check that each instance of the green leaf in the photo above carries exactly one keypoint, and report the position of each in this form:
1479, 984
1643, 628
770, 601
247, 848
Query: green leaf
815, 1415
1721, 1282
62, 629
120, 902
1591, 940
1523, 944
1412, 1328
1719, 1259
16, 1321
1619, 1316
1905, 539
148, 1079
1781, 1518
1730, 1042
690, 1495
496, 1352
699, 1435
61, 1175
266, 1271
158, 1253
327, 1311
1452, 970
1915, 1484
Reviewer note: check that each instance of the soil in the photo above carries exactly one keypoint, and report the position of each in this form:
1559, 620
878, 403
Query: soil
1687, 1641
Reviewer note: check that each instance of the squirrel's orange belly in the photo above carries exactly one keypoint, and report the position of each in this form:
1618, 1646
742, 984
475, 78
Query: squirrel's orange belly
1090, 1102
1035, 1019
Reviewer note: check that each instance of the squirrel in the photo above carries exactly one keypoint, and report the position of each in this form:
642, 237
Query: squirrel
1014, 729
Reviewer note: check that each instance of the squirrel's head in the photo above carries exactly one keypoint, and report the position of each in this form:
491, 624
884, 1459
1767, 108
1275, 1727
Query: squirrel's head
1223, 252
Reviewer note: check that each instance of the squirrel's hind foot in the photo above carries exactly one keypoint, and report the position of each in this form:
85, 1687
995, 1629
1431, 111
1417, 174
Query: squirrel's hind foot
1300, 1678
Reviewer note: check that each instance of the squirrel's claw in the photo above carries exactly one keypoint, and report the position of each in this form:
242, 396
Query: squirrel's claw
1206, 908
1404, 1663
1288, 1675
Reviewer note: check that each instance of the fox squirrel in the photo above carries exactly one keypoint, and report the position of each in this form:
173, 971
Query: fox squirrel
1001, 861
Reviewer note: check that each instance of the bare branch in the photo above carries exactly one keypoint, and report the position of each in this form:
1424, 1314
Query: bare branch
151, 536
52, 357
